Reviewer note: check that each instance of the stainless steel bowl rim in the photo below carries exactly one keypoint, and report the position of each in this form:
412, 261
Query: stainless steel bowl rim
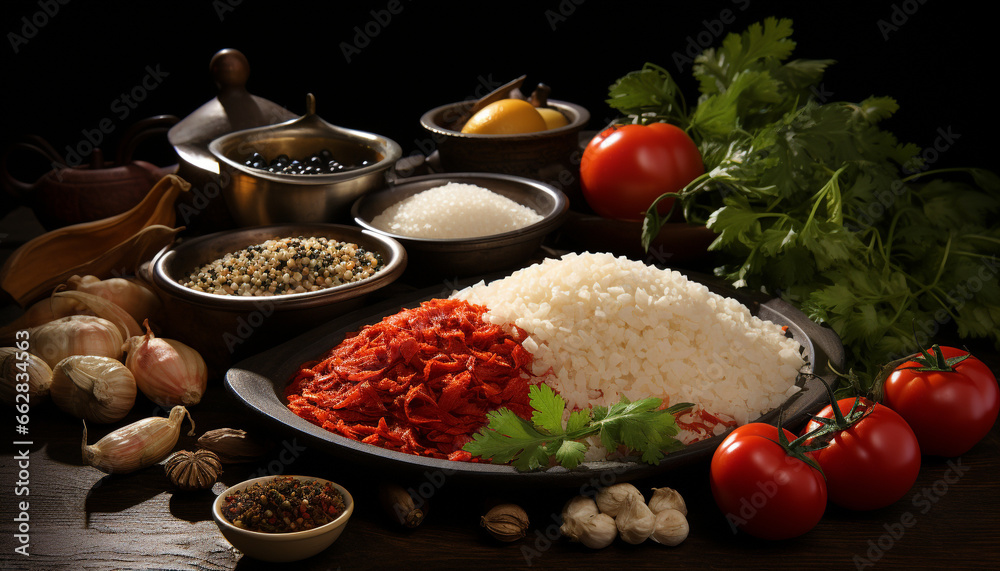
391, 150
393, 268
539, 228
426, 120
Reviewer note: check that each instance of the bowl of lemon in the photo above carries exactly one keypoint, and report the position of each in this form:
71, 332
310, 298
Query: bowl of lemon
537, 138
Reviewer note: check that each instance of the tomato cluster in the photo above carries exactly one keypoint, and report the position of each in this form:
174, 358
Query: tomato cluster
861, 455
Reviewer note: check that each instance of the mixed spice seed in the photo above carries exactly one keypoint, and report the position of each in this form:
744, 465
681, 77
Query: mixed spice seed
283, 504
285, 266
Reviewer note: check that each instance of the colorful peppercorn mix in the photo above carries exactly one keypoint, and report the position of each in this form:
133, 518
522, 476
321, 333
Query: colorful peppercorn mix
283, 504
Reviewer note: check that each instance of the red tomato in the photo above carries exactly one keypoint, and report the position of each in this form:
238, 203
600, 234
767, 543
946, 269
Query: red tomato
761, 488
872, 463
625, 168
949, 411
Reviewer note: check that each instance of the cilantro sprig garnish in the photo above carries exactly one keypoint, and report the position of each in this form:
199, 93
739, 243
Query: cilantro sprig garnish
640, 426
814, 201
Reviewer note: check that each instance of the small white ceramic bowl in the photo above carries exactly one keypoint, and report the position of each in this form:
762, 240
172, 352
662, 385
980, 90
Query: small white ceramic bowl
282, 547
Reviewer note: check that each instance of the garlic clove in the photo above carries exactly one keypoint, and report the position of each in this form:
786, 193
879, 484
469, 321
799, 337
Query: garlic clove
597, 530
13, 364
611, 500
98, 389
75, 335
670, 528
635, 522
167, 371
665, 499
138, 445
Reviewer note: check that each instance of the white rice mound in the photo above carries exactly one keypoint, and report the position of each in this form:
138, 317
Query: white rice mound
601, 326
455, 210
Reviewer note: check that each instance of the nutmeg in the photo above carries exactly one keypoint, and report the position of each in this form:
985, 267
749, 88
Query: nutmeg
506, 522
197, 470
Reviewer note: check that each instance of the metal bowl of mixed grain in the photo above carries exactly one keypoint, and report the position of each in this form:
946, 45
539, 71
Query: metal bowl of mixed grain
470, 256
227, 326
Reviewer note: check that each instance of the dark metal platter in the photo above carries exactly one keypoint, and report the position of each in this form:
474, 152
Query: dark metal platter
259, 383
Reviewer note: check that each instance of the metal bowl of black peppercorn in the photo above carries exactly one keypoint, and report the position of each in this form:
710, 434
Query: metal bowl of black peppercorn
301, 171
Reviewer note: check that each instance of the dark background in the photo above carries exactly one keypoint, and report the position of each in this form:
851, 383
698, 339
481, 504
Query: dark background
938, 61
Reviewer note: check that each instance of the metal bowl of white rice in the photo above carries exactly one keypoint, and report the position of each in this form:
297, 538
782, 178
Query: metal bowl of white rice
464, 224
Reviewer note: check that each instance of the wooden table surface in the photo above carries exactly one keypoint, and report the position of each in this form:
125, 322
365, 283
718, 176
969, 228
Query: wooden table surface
80, 518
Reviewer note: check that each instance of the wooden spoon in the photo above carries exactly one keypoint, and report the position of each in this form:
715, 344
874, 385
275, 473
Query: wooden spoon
491, 97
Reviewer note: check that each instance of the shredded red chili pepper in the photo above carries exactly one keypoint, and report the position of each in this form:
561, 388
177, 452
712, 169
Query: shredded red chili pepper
702, 423
420, 381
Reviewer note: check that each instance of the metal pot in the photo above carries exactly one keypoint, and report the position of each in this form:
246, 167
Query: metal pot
203, 209
257, 197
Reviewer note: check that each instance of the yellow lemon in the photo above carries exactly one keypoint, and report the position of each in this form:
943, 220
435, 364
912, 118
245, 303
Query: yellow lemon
553, 117
505, 117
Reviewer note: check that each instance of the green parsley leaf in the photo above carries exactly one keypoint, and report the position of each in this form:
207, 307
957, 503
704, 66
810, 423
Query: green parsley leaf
549, 407
640, 426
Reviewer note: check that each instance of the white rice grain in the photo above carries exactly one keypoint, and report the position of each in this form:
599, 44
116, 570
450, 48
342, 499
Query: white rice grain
455, 210
602, 326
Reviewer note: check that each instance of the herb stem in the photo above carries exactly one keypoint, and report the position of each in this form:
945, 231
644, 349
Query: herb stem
981, 237
915, 176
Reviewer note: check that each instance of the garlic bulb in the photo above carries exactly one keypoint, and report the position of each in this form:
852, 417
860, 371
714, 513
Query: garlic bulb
76, 335
167, 371
137, 445
666, 499
611, 500
597, 530
136, 299
670, 527
98, 389
579, 507
101, 307
635, 522
22, 370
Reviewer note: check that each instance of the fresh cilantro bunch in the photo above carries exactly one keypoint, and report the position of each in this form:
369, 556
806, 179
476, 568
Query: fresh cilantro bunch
815, 202
640, 426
